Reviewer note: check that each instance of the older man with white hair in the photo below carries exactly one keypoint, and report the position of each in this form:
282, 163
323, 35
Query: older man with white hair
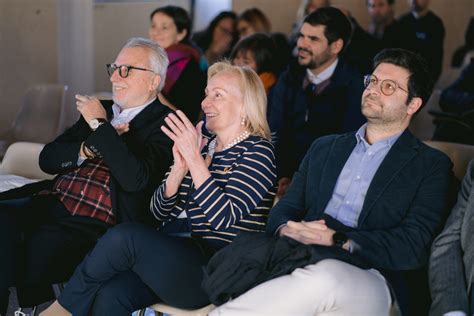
107, 164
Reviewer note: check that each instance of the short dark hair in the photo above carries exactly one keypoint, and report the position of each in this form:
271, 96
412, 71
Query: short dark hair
180, 18
337, 24
261, 46
420, 81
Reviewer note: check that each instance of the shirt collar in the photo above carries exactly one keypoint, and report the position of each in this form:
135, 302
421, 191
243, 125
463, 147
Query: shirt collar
416, 15
389, 141
126, 115
324, 75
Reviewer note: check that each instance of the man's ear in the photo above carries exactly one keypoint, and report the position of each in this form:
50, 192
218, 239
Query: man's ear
156, 82
336, 46
414, 105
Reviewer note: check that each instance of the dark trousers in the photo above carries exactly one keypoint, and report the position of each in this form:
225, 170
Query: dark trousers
40, 244
133, 266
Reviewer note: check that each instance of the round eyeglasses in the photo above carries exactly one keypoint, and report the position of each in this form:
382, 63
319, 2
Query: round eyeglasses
387, 86
124, 70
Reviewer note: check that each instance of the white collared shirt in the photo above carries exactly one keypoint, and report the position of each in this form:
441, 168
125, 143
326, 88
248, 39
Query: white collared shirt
323, 76
126, 115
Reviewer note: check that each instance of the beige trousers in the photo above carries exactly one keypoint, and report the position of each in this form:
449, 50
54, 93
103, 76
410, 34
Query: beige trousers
329, 288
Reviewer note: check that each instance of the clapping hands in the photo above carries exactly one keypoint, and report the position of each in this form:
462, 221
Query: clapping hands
188, 140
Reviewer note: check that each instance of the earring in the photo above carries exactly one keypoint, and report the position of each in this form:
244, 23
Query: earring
243, 121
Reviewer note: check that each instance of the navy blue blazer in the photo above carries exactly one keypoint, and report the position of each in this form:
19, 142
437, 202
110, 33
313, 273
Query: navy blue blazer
404, 208
297, 117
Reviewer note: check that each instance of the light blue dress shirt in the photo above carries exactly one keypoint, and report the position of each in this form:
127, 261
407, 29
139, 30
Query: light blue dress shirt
352, 184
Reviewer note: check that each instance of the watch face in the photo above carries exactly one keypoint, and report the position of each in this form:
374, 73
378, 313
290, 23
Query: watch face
94, 123
339, 238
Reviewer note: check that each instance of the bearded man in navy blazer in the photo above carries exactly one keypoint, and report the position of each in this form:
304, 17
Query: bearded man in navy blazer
378, 193
317, 96
107, 164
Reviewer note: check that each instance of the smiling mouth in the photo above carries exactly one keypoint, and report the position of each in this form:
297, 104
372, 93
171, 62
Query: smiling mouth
210, 115
303, 52
116, 89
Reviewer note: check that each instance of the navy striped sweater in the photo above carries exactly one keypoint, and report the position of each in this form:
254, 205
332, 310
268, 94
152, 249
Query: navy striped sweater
237, 197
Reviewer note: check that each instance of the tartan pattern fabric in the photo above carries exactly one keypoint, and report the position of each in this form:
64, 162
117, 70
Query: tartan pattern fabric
85, 191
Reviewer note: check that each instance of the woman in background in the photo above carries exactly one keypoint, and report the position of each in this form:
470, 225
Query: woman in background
252, 21
217, 40
257, 52
170, 27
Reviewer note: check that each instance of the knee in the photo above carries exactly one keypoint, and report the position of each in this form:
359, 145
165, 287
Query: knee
119, 235
325, 275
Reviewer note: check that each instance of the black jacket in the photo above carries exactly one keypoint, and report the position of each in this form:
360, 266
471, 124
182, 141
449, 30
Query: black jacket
425, 36
188, 91
297, 118
137, 159
459, 96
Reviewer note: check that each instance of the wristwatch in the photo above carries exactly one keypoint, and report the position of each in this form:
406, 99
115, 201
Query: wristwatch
95, 123
339, 238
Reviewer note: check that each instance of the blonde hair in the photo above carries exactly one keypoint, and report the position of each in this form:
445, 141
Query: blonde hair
254, 96
257, 19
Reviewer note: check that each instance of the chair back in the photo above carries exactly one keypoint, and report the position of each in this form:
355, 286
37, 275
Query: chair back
41, 114
448, 76
459, 154
421, 124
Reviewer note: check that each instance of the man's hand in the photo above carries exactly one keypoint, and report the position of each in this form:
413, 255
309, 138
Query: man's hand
283, 185
84, 152
122, 128
90, 107
309, 233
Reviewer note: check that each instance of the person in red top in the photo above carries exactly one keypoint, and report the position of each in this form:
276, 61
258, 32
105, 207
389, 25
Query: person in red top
107, 164
170, 27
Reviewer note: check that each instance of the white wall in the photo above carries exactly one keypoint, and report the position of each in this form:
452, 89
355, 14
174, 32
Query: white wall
28, 53
75, 52
206, 10
114, 24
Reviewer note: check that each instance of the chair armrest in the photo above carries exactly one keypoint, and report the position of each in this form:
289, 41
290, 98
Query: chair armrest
22, 159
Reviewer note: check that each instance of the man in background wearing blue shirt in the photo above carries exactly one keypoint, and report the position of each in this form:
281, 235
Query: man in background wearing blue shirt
378, 193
